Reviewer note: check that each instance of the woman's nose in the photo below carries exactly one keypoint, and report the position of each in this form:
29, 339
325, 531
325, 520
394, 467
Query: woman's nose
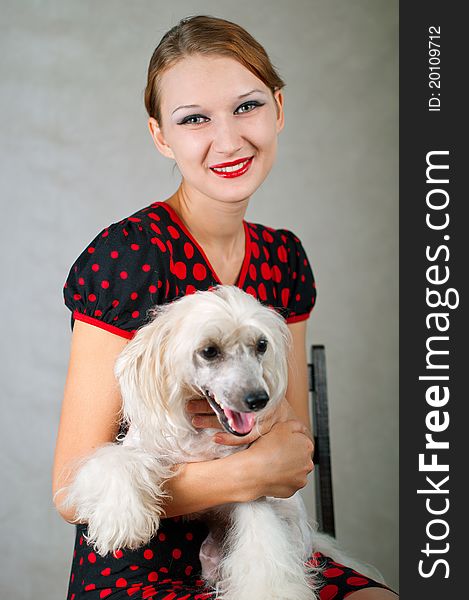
227, 138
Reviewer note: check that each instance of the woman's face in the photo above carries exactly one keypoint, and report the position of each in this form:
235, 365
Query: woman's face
220, 124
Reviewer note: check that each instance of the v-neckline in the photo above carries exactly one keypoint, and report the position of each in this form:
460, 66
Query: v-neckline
247, 247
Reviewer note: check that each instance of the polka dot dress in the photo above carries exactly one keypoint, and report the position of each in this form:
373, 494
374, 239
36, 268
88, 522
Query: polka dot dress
151, 258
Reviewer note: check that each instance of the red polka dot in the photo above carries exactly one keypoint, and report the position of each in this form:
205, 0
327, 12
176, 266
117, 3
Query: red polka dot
105, 593
174, 233
105, 233
294, 275
255, 250
146, 268
253, 234
72, 577
76, 297
190, 289
106, 572
148, 554
133, 567
133, 296
81, 561
118, 554
104, 284
123, 274
357, 581
199, 272
135, 246
333, 572
266, 253
114, 254
152, 289
297, 297
164, 570
188, 250
177, 553
252, 272
89, 587
115, 303
98, 313
266, 235
262, 292
151, 592
153, 576
132, 591
81, 540
135, 314
188, 570
276, 274
285, 296
121, 582
282, 254
189, 536
155, 228
170, 596
329, 592
81, 281
179, 269
303, 278
252, 291
92, 557
90, 250
153, 215
266, 271
92, 298
161, 537
160, 283
95, 267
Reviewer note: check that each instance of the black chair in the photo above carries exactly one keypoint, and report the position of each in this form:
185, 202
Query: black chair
322, 453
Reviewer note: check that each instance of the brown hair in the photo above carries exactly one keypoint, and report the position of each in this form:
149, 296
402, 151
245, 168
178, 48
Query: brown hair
206, 35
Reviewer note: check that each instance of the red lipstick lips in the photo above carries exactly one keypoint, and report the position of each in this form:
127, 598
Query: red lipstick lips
234, 168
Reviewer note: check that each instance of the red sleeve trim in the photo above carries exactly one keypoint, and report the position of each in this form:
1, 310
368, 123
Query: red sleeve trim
297, 318
111, 328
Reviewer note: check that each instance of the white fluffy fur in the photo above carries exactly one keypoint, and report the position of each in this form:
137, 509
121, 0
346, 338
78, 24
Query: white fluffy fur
261, 550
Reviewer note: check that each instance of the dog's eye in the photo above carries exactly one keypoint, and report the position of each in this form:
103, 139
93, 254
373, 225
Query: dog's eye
261, 346
210, 352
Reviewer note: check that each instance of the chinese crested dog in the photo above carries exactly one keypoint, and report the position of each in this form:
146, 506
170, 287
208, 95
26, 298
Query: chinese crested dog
225, 346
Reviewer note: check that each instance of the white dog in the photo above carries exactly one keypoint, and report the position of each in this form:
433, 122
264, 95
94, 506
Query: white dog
225, 346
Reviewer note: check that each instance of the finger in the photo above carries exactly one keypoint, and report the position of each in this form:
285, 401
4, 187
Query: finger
228, 439
205, 421
199, 407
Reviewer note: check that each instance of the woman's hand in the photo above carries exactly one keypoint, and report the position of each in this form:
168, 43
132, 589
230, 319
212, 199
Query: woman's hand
203, 417
278, 463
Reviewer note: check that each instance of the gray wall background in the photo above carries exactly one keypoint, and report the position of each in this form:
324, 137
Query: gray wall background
76, 155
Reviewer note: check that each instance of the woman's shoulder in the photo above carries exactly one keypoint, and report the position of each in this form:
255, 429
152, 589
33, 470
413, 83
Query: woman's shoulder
270, 235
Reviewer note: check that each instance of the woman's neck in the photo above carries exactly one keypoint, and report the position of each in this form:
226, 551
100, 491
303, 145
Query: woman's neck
217, 226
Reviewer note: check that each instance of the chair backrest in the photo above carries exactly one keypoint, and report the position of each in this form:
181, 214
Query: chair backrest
322, 453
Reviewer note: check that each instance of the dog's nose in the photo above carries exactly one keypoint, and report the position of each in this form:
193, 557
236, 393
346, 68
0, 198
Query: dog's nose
256, 400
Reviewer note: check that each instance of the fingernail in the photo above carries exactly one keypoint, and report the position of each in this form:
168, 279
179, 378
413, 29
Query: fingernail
196, 421
218, 439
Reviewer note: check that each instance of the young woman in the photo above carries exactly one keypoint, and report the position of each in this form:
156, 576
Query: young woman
215, 107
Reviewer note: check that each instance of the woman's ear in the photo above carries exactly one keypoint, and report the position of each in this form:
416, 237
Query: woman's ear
278, 98
160, 142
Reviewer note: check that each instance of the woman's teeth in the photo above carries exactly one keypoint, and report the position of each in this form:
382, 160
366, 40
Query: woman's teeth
230, 169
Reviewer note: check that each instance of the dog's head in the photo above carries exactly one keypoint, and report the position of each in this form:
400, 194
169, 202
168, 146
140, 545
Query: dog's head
220, 344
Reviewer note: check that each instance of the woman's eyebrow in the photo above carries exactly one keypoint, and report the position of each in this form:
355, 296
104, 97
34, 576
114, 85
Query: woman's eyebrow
198, 105
251, 92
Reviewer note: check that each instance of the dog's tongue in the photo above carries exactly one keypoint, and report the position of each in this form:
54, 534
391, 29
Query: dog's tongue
239, 421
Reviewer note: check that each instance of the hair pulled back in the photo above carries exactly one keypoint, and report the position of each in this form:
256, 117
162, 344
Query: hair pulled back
210, 36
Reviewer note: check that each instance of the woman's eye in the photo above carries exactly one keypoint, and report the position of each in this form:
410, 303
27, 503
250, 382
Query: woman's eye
210, 352
261, 346
193, 120
247, 107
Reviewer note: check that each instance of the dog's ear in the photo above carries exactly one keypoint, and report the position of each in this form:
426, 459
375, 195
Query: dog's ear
142, 372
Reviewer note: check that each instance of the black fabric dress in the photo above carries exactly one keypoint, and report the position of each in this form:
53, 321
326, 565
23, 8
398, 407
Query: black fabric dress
151, 258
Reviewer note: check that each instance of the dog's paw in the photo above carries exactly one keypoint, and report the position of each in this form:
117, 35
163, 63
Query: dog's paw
118, 493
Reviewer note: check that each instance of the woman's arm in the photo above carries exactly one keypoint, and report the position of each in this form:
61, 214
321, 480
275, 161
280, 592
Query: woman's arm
297, 390
90, 418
